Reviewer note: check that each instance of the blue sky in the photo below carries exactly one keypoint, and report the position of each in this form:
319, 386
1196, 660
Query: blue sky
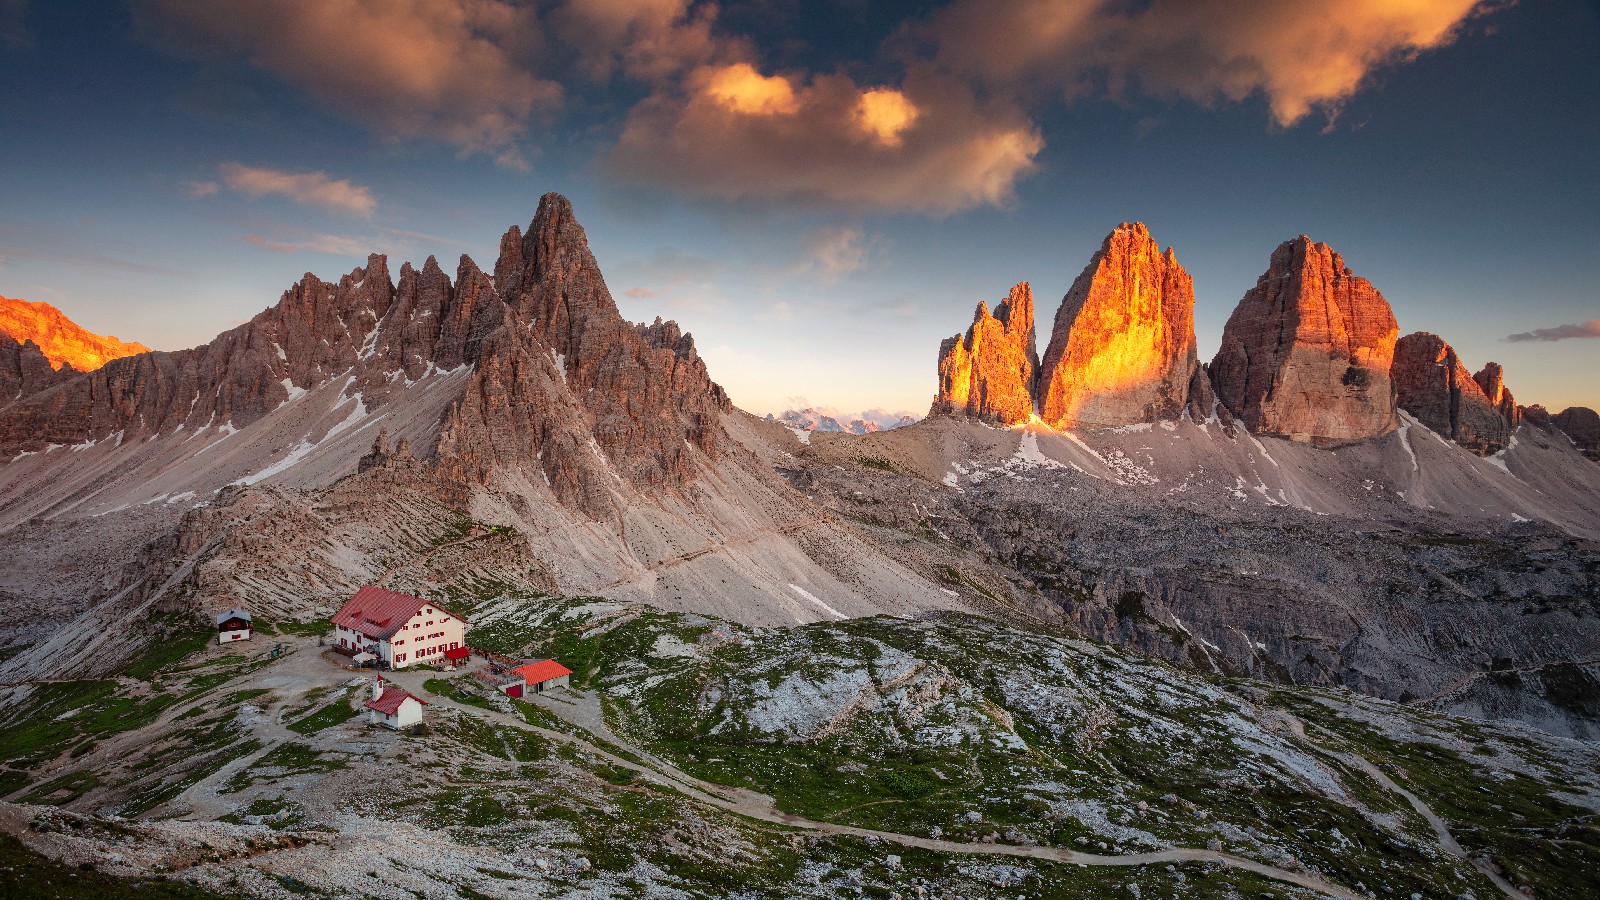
818, 191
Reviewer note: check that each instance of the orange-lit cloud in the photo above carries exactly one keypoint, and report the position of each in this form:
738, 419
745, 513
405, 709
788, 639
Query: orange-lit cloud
736, 135
447, 69
1205, 51
885, 113
306, 188
741, 89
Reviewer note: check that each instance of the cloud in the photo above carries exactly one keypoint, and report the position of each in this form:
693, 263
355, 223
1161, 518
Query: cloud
1586, 329
736, 134
14, 31
198, 189
651, 41
832, 253
453, 70
306, 188
1205, 51
332, 244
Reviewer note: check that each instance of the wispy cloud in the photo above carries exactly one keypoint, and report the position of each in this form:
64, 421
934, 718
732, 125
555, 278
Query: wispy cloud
832, 253
1586, 329
198, 189
332, 244
306, 188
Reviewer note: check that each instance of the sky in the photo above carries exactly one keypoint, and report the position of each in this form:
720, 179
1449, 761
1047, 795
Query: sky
818, 190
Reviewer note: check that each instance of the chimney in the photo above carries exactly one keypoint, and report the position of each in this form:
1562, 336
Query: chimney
377, 686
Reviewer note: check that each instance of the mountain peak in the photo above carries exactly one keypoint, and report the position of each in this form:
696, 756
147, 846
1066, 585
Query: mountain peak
989, 372
1307, 351
62, 341
1123, 348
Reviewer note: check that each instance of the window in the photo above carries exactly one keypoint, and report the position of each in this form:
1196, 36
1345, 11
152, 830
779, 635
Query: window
455, 645
430, 612
399, 642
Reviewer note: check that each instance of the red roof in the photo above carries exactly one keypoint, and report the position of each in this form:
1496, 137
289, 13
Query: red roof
542, 671
457, 653
389, 702
378, 613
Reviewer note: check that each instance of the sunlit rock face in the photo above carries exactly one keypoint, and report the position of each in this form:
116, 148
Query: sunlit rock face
1307, 351
1122, 350
1435, 387
62, 341
1492, 379
989, 372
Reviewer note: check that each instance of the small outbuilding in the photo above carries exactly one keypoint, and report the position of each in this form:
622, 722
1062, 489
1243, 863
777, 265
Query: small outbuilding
543, 675
392, 707
456, 656
234, 625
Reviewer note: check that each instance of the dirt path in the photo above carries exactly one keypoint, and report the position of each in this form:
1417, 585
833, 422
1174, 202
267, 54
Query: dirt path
584, 713
1441, 831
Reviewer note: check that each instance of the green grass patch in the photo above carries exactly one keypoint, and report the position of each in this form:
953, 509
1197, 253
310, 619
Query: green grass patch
336, 713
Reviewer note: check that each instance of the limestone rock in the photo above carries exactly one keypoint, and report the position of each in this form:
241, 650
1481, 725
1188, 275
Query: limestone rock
559, 381
1582, 424
24, 370
1491, 378
1307, 351
62, 341
989, 372
1123, 349
1537, 416
1435, 387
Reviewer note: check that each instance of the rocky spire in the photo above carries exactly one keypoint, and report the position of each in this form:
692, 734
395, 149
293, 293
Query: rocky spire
1435, 387
1122, 350
1491, 378
989, 372
1307, 351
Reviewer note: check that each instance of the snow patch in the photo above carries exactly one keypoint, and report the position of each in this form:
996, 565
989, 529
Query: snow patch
812, 597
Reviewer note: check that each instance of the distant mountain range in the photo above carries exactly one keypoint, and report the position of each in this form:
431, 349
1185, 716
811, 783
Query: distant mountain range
59, 340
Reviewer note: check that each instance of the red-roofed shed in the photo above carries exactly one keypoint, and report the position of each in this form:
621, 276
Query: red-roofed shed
543, 675
393, 707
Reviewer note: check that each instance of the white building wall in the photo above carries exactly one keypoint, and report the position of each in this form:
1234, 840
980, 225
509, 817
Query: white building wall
421, 642
409, 714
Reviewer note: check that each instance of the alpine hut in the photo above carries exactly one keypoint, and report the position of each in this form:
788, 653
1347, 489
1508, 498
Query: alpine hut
399, 629
234, 625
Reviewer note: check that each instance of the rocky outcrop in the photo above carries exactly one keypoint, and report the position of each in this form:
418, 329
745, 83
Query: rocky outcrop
25, 370
62, 341
1307, 351
989, 372
559, 382
1537, 416
1582, 424
1436, 388
1491, 378
1123, 349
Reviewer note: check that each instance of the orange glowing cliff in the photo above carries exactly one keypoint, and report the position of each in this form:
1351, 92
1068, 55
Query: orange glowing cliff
61, 340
